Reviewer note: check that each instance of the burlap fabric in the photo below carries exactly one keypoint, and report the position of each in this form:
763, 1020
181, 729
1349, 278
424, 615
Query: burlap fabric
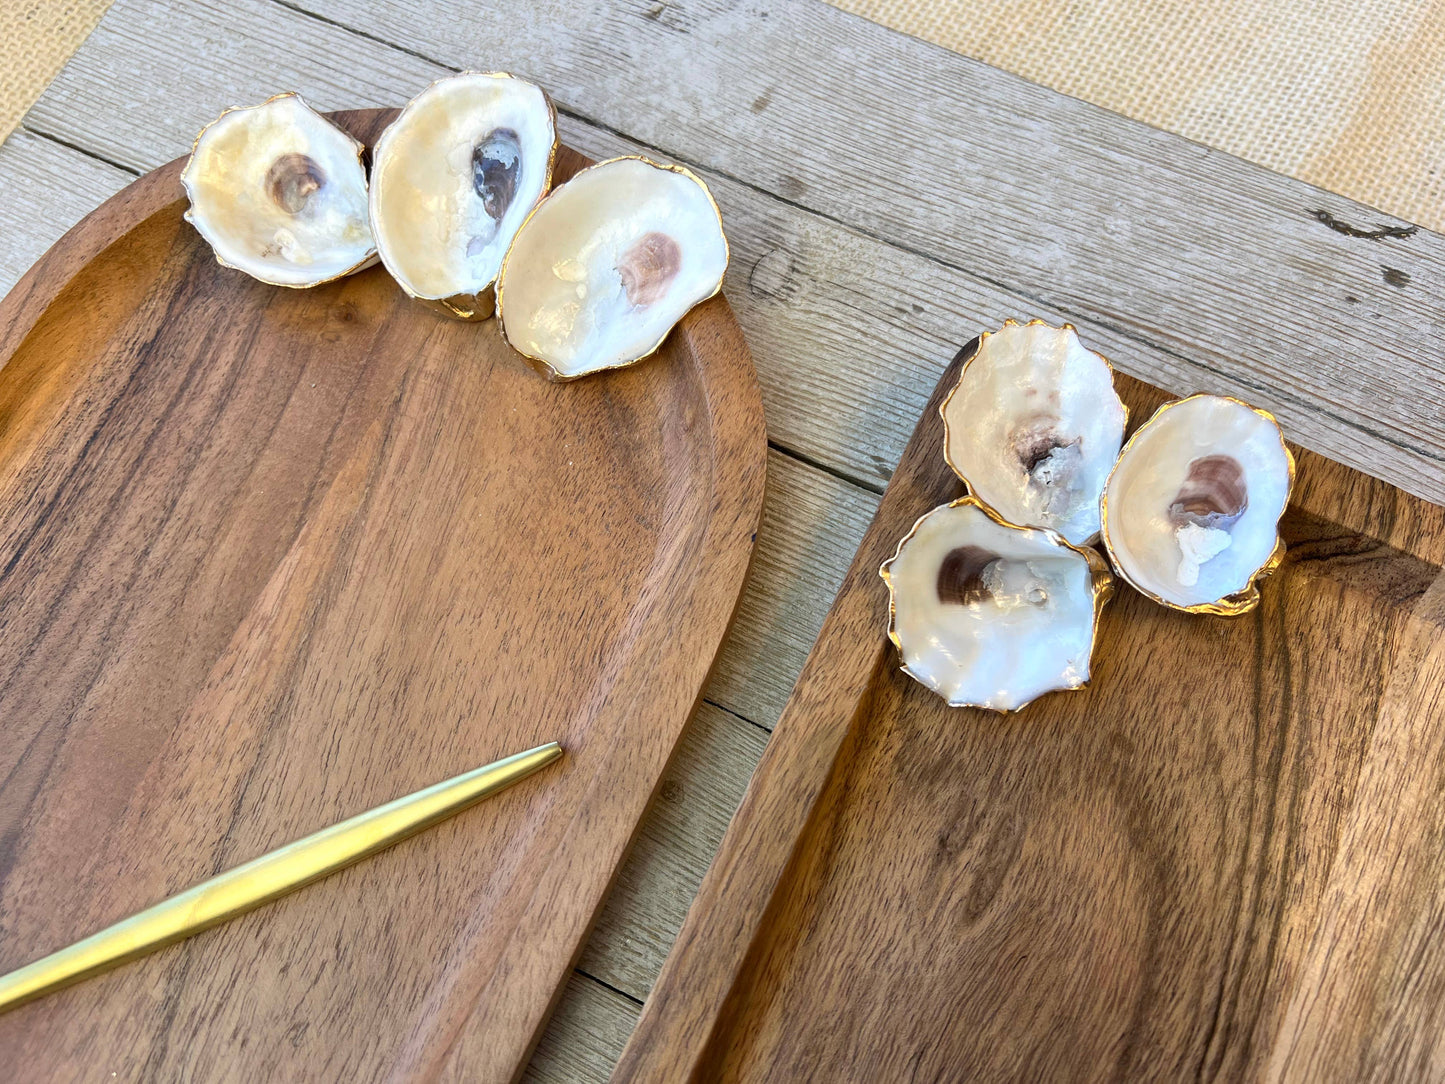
37, 37
1346, 94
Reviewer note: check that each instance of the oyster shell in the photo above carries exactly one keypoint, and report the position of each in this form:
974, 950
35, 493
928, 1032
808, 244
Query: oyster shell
991, 615
608, 263
1192, 508
452, 180
1033, 427
280, 193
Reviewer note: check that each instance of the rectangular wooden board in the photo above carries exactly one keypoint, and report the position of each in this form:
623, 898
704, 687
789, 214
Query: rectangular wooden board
1207, 863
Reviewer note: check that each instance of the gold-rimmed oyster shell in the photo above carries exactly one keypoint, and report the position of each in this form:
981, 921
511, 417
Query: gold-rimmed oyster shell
280, 193
989, 614
454, 176
1033, 427
608, 263
1191, 510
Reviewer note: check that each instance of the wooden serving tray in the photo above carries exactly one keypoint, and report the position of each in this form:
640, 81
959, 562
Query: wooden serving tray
271, 557
1215, 862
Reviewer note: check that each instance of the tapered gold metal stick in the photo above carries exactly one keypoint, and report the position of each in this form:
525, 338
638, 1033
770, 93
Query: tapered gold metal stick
264, 879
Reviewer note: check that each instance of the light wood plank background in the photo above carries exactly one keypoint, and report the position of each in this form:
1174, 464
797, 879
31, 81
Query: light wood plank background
868, 244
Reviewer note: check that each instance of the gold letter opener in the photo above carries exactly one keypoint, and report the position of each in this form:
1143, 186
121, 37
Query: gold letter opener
266, 878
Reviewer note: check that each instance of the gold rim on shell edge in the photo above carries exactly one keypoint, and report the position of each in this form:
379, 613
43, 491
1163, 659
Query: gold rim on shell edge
1101, 580
371, 258
983, 337
540, 364
1248, 596
478, 307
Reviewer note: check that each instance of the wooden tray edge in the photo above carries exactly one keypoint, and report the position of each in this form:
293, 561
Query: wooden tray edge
711, 951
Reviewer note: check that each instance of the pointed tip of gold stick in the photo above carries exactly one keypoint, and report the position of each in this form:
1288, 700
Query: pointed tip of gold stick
269, 877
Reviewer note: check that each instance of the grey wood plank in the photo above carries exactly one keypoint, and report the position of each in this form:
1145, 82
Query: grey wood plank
848, 333
678, 838
48, 188
141, 69
812, 524
1198, 257
585, 1038
1212, 273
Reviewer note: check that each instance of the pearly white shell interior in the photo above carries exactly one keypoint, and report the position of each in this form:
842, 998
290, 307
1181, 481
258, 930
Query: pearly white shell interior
1020, 375
432, 228
563, 298
226, 179
1004, 651
1146, 545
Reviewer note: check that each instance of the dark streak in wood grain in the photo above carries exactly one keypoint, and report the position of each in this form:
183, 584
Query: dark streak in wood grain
1381, 232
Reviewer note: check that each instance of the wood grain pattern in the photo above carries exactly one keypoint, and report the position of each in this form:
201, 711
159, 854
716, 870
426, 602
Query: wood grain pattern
849, 321
1369, 1002
1143, 880
271, 557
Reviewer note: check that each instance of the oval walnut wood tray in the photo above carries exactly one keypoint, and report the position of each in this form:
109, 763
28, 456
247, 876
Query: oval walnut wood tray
1220, 861
269, 558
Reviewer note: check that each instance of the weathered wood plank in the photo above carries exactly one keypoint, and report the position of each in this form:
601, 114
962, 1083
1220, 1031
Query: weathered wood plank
812, 524
799, 284
48, 188
1197, 256
845, 363
588, 1031
1233, 237
140, 69
811, 527
677, 841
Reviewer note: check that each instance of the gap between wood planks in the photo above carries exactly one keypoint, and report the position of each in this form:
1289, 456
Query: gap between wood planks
102, 159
